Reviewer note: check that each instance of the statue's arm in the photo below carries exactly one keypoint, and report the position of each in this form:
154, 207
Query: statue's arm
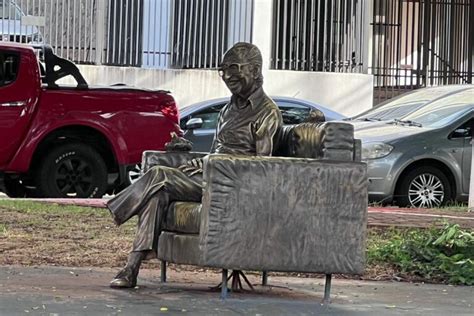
266, 131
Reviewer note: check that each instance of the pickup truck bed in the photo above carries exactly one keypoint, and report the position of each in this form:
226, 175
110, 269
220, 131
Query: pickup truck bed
72, 141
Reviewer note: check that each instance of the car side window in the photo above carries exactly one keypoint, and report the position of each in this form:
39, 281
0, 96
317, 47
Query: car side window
9, 63
293, 113
209, 117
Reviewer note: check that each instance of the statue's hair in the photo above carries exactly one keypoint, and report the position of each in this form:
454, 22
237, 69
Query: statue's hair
248, 52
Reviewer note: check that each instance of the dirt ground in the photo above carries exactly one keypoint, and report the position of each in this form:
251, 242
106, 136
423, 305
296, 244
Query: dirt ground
37, 234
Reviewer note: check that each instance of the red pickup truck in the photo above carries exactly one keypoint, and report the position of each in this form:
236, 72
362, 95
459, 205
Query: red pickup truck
72, 140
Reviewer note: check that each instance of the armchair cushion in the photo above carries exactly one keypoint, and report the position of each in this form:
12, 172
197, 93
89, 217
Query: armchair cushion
183, 217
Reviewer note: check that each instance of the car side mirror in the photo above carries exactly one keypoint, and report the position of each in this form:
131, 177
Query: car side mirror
194, 123
461, 133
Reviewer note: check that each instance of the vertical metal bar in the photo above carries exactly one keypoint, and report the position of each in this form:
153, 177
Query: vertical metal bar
119, 44
264, 278
196, 34
327, 289
163, 271
85, 30
133, 20
100, 31
212, 42
178, 34
125, 34
224, 29
160, 15
297, 37
207, 62
139, 20
284, 38
152, 31
470, 44
305, 41
189, 30
170, 32
111, 32
68, 22
185, 29
74, 30
292, 36
224, 284
201, 34
62, 29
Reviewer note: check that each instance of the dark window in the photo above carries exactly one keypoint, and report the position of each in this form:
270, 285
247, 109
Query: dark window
8, 68
293, 113
209, 117
465, 130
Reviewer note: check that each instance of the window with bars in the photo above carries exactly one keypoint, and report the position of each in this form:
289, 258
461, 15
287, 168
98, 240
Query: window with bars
318, 35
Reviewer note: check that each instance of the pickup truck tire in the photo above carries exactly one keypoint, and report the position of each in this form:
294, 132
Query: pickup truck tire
72, 170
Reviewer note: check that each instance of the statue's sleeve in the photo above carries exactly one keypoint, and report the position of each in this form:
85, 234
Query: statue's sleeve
265, 132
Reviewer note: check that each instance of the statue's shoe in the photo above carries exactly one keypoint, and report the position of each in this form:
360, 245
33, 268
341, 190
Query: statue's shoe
126, 278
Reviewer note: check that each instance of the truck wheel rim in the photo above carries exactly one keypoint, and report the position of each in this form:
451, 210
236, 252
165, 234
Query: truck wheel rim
74, 178
426, 190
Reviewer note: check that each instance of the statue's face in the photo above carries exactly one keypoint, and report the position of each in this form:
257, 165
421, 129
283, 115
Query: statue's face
238, 75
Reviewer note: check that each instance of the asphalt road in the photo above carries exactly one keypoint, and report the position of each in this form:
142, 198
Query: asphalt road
74, 291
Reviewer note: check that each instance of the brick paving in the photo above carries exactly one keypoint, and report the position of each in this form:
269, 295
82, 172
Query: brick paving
377, 216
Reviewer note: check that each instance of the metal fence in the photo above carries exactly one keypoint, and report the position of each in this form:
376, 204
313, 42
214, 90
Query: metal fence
319, 35
147, 33
421, 42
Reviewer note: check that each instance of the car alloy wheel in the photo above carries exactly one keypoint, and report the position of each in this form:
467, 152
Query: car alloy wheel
425, 186
426, 190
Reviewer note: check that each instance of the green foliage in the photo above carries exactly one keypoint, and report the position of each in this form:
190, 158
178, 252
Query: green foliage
438, 254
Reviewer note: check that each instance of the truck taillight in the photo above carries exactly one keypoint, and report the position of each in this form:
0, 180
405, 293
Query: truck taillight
170, 110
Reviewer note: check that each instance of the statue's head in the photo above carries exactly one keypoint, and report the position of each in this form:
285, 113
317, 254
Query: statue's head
241, 69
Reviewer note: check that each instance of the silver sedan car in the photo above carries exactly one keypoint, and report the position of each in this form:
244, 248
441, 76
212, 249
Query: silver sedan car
424, 158
199, 121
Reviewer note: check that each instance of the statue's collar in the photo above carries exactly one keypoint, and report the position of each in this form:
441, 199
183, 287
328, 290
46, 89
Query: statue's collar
254, 99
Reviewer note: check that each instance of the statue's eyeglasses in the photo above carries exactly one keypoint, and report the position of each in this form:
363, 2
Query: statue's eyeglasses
231, 69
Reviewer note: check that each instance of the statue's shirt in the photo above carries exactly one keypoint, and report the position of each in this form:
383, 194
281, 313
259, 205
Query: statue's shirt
248, 129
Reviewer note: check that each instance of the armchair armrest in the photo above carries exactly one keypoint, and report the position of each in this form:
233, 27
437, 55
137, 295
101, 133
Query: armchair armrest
284, 214
152, 158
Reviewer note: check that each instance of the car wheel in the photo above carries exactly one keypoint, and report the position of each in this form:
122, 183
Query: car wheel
133, 173
72, 171
424, 187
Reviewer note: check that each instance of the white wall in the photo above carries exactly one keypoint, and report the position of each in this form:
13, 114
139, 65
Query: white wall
345, 93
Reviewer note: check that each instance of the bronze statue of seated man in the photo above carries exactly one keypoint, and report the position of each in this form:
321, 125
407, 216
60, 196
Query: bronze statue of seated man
246, 126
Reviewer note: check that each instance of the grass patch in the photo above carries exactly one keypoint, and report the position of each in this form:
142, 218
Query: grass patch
436, 254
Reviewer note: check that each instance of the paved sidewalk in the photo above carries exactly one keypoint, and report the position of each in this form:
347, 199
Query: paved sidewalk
377, 216
82, 291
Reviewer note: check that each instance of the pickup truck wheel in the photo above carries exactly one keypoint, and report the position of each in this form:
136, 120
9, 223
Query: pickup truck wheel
72, 171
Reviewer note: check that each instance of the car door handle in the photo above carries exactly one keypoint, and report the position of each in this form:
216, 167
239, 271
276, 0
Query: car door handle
15, 103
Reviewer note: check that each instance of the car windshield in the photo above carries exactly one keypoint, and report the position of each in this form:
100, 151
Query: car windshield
9, 11
403, 105
443, 111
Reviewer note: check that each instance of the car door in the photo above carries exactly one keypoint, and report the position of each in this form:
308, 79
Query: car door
202, 137
13, 102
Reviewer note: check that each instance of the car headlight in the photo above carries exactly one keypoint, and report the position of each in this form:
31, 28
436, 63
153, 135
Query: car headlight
375, 150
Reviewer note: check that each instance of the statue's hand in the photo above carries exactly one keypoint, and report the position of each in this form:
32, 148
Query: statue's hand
178, 143
192, 167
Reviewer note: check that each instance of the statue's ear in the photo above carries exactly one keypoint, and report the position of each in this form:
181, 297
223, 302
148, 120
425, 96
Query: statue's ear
257, 69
